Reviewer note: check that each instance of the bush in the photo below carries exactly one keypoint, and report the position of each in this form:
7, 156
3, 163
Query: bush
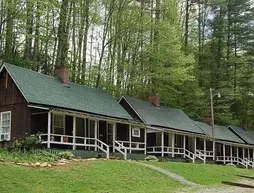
65, 154
14, 145
26, 144
28, 156
48, 155
151, 158
30, 142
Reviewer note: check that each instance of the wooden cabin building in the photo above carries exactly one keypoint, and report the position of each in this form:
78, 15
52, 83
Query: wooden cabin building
66, 115
71, 116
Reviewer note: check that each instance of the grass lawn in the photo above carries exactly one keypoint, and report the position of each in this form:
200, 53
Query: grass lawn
205, 174
90, 176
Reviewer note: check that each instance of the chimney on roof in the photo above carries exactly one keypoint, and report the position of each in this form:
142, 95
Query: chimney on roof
208, 120
62, 72
244, 126
155, 99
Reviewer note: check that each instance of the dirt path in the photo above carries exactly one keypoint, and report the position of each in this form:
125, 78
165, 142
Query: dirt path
169, 174
220, 189
195, 188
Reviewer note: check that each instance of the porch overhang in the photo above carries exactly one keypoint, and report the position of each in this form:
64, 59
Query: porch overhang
235, 144
167, 130
87, 115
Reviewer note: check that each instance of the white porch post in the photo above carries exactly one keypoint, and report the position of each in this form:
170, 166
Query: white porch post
162, 143
95, 133
130, 137
204, 150
252, 158
231, 153
214, 150
184, 145
145, 133
49, 129
173, 145
74, 134
224, 154
195, 147
114, 136
248, 153
237, 154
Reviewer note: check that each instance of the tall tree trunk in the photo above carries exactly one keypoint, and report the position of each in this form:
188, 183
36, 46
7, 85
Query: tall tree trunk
86, 15
186, 34
9, 30
62, 35
228, 37
74, 49
37, 36
29, 29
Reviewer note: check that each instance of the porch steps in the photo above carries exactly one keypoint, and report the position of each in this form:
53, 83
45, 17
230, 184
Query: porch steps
111, 156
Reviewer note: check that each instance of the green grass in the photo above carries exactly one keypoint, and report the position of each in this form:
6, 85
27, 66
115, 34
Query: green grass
205, 174
88, 176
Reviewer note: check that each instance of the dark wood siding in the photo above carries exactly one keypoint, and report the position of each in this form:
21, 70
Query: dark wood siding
139, 139
122, 133
129, 109
12, 100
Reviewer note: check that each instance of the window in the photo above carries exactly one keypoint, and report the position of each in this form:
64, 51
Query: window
136, 132
5, 126
59, 124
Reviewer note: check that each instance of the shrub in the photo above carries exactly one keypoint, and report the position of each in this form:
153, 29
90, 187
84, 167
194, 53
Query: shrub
26, 144
65, 154
48, 155
14, 145
151, 158
30, 142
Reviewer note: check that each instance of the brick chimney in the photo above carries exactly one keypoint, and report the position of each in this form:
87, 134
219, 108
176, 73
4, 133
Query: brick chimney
155, 99
208, 120
62, 72
244, 126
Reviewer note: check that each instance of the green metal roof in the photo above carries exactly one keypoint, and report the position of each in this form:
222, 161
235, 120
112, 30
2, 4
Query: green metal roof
220, 132
47, 90
163, 116
246, 136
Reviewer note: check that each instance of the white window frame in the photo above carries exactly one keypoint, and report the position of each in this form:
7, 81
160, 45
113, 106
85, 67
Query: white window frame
133, 132
58, 114
8, 138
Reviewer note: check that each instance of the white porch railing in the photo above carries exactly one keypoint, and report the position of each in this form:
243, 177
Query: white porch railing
138, 146
166, 150
249, 162
189, 155
75, 141
120, 148
228, 159
199, 154
170, 150
207, 153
